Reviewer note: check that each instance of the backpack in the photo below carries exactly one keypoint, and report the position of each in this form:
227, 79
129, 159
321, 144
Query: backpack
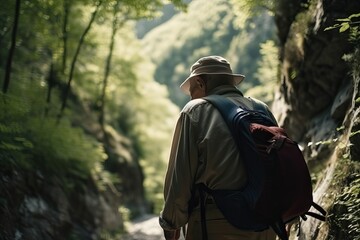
278, 188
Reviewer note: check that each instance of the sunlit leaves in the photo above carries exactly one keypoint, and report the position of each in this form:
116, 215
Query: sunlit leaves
177, 44
345, 23
351, 23
63, 147
269, 64
267, 73
244, 9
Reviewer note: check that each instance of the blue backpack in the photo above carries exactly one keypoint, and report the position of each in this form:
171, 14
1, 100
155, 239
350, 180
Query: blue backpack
278, 187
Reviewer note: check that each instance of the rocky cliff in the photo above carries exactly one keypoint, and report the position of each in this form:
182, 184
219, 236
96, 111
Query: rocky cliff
35, 208
36, 204
316, 103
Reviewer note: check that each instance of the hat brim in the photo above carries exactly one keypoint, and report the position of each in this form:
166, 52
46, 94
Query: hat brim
185, 86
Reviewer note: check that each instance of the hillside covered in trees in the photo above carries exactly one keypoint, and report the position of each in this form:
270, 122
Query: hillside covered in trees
175, 45
90, 97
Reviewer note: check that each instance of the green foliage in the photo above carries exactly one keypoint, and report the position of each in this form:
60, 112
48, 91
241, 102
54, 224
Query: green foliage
267, 73
13, 142
41, 143
245, 9
136, 105
345, 23
61, 147
344, 216
150, 121
177, 44
351, 23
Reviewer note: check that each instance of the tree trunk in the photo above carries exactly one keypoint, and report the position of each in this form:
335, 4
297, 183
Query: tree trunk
64, 33
74, 60
12, 47
115, 28
51, 82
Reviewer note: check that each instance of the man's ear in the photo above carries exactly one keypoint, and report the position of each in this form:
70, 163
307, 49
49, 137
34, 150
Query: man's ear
200, 82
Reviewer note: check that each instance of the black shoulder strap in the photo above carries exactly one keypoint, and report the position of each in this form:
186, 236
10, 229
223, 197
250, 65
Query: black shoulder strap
280, 230
202, 189
321, 216
203, 212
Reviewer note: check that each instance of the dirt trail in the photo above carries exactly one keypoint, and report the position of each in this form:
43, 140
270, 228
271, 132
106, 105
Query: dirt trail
145, 228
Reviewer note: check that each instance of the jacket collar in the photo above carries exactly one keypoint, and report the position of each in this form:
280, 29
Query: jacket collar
225, 90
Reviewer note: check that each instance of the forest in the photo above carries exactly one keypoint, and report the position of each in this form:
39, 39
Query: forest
90, 97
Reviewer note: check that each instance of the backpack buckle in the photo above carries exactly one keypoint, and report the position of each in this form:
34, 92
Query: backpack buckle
276, 143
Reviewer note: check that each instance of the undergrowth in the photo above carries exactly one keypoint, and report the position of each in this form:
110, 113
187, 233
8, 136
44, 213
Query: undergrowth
39, 143
344, 215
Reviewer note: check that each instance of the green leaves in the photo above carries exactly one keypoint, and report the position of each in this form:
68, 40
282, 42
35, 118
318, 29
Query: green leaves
48, 38
345, 23
351, 25
267, 72
347, 206
63, 148
32, 141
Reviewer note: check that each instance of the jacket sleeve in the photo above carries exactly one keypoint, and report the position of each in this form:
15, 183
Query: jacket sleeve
180, 175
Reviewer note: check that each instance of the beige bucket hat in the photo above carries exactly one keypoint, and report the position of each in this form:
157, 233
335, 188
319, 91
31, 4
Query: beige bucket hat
210, 65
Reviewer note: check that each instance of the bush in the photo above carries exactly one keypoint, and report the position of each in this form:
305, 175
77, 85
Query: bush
38, 142
344, 216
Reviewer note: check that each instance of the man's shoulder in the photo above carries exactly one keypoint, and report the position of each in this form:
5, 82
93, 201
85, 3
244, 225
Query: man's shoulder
193, 104
257, 103
263, 107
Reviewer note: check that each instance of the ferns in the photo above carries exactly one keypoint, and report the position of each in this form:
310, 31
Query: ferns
13, 143
37, 142
63, 147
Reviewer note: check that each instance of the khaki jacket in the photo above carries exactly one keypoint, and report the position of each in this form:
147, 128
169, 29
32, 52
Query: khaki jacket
202, 151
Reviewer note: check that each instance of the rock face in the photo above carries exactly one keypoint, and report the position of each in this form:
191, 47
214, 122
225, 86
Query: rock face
315, 79
41, 206
317, 97
35, 208
122, 161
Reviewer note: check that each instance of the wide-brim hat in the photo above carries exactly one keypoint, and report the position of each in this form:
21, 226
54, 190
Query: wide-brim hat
210, 65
